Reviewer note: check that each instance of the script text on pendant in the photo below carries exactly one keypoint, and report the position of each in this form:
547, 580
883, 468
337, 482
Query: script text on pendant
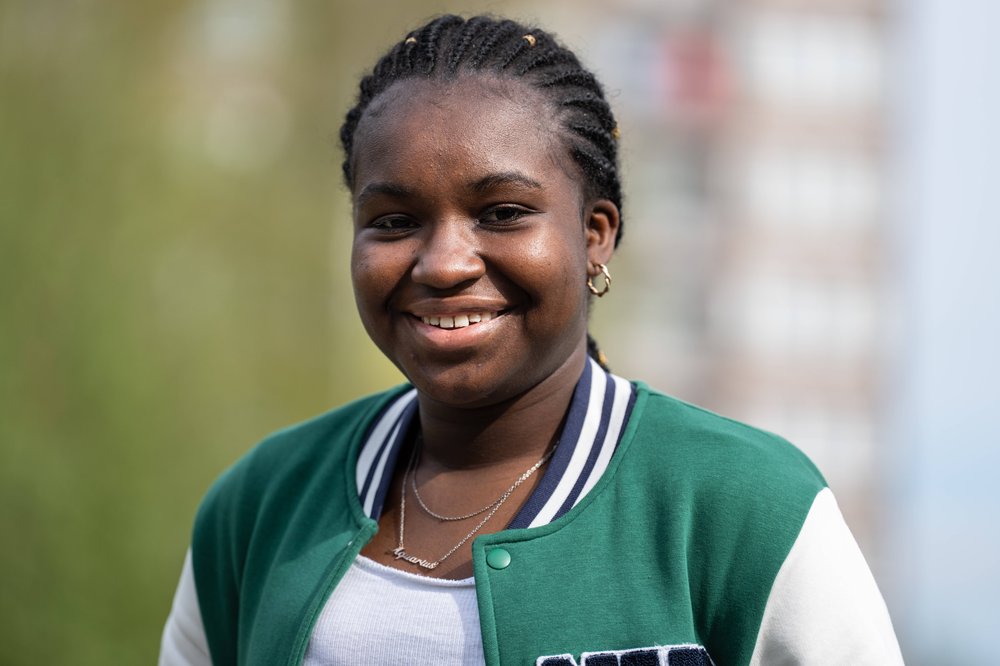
403, 555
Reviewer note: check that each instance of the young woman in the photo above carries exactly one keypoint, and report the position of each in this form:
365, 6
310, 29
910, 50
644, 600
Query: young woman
514, 503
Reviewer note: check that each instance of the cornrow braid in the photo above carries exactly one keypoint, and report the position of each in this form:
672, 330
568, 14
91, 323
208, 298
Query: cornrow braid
470, 30
449, 45
496, 33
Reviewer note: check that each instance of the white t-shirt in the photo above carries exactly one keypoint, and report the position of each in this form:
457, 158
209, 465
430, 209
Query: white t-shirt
380, 615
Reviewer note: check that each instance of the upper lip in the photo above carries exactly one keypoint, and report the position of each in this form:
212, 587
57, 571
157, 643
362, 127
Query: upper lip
452, 307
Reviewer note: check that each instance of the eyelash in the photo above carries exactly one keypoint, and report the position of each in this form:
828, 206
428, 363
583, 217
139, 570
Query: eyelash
384, 224
517, 213
387, 224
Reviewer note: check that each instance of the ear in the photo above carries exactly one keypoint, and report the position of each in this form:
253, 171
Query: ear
602, 227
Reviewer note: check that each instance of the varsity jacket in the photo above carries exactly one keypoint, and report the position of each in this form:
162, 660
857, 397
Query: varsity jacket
660, 533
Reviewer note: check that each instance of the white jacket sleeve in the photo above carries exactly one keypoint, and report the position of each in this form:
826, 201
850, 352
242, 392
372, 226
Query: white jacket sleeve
184, 642
825, 607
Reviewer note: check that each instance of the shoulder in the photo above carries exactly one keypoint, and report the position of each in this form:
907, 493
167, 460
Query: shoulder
271, 479
736, 496
295, 483
693, 446
298, 447
321, 435
824, 605
734, 490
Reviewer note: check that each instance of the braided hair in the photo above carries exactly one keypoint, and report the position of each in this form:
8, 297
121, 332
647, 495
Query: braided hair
450, 45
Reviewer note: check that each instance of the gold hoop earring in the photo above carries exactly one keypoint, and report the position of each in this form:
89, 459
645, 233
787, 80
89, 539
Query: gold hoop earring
607, 282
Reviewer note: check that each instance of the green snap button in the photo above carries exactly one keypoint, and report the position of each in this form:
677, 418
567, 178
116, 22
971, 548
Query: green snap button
498, 558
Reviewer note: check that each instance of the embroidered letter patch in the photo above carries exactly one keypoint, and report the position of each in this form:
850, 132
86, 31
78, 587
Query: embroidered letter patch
665, 655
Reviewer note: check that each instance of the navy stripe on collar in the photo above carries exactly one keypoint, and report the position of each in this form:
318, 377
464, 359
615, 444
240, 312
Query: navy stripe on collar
378, 454
595, 421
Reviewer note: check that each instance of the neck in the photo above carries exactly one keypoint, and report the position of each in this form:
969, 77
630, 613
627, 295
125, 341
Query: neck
509, 432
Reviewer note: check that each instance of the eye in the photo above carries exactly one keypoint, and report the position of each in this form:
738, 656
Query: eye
504, 215
392, 224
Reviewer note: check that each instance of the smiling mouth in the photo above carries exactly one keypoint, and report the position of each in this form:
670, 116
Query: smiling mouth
460, 321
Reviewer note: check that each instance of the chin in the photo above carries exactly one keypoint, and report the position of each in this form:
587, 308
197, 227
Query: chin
461, 387
459, 393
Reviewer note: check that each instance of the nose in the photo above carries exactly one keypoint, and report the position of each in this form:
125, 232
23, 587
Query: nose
449, 256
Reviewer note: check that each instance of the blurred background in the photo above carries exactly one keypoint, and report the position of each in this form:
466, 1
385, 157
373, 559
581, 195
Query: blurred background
810, 236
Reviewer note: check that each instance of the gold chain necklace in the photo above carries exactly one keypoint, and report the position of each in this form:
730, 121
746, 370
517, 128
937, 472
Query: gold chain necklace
400, 550
521, 479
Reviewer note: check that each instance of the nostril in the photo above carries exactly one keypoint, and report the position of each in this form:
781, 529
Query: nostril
448, 268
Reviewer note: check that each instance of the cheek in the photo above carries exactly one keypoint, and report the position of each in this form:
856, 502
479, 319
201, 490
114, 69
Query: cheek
370, 277
555, 268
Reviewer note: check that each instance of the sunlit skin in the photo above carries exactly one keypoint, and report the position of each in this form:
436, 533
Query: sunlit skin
467, 204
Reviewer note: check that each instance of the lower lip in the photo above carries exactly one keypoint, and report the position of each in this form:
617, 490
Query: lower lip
455, 338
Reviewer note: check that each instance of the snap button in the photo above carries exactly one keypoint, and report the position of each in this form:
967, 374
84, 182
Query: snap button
498, 558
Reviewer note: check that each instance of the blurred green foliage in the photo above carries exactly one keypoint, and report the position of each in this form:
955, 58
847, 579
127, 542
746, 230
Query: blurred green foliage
174, 241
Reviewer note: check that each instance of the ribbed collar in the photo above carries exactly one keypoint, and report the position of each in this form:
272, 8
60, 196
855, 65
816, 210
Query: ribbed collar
594, 424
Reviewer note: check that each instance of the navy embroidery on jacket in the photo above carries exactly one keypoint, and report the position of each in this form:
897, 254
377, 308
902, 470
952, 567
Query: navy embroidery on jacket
665, 655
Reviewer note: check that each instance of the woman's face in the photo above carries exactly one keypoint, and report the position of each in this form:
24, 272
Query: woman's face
472, 239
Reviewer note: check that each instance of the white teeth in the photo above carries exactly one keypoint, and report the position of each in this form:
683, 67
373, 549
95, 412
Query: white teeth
459, 321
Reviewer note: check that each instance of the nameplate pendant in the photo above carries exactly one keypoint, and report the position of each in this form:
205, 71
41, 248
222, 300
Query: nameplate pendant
406, 557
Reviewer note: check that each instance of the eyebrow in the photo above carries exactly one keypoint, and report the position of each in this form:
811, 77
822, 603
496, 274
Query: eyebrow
480, 186
390, 189
502, 179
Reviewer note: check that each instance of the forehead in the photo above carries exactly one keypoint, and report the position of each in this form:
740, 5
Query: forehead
468, 126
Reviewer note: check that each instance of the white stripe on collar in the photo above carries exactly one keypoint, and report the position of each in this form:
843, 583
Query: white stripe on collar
595, 420
621, 407
386, 434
